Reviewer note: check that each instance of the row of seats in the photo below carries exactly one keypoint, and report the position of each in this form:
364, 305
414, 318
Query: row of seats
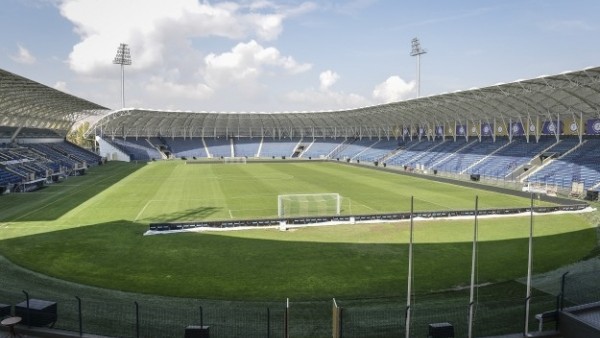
498, 158
580, 164
32, 162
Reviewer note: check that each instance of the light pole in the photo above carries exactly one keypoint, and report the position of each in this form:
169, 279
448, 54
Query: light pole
417, 51
123, 58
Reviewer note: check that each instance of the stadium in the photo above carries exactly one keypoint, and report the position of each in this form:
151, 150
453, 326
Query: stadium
300, 224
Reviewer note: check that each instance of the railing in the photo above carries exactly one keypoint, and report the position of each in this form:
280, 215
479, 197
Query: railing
153, 316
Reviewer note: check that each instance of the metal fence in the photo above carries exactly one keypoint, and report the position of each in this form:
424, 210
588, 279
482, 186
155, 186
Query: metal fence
382, 317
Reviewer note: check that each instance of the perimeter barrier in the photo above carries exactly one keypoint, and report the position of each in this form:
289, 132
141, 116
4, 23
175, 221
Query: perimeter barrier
124, 315
171, 226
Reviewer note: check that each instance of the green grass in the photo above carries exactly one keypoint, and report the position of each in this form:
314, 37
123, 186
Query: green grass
305, 264
89, 230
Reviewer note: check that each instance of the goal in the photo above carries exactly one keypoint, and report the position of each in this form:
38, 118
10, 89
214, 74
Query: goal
303, 205
239, 160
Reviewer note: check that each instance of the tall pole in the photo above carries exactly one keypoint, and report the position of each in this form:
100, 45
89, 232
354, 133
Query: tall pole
529, 268
473, 269
122, 86
417, 51
123, 58
410, 271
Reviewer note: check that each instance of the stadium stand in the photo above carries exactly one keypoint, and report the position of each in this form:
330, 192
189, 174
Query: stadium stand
29, 166
377, 151
36, 119
353, 147
274, 147
138, 150
247, 147
467, 157
218, 147
411, 151
580, 164
511, 157
7, 177
187, 148
437, 153
322, 147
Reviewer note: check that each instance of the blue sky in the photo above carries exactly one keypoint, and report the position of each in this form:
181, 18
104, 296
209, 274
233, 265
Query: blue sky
276, 56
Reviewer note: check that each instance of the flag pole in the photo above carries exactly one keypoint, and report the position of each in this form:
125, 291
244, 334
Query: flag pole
410, 271
473, 268
529, 267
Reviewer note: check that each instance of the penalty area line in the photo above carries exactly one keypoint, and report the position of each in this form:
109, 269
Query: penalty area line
142, 211
361, 204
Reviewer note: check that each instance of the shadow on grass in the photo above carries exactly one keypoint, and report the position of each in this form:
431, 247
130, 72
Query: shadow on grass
115, 255
200, 268
55, 200
200, 213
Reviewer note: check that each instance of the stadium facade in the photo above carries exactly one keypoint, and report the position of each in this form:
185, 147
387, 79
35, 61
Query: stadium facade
568, 103
559, 113
503, 132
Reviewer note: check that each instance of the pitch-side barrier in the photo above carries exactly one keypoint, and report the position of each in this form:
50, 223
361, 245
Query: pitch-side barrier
384, 217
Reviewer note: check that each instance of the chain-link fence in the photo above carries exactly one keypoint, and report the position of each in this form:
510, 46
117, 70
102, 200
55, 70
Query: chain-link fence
382, 317
581, 288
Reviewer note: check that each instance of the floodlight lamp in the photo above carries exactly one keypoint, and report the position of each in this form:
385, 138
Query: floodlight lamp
123, 56
416, 48
417, 51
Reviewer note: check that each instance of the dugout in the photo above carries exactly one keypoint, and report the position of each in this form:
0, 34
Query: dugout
591, 195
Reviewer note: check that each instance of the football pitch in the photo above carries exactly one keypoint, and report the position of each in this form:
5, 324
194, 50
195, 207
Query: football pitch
89, 230
175, 191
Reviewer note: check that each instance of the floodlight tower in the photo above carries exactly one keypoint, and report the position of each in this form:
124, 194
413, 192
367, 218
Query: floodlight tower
123, 58
417, 51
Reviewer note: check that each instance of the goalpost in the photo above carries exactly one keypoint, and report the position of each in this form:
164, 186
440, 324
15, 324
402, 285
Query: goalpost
238, 160
302, 205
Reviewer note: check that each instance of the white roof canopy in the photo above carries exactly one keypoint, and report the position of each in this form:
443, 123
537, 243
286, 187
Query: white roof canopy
548, 98
28, 104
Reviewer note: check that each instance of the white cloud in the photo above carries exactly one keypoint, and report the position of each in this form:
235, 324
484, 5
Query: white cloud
156, 28
328, 78
169, 56
324, 98
563, 26
246, 62
350, 7
318, 100
23, 56
393, 89
62, 86
168, 89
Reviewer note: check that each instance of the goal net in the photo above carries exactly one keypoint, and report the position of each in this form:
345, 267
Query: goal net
302, 205
241, 160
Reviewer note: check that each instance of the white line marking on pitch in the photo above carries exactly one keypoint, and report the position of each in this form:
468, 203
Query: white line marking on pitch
142, 211
364, 205
230, 214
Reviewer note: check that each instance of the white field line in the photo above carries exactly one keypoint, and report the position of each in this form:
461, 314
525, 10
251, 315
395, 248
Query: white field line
143, 209
364, 205
246, 196
13, 225
62, 196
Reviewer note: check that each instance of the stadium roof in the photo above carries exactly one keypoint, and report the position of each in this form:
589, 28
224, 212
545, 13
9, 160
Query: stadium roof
575, 95
548, 98
29, 104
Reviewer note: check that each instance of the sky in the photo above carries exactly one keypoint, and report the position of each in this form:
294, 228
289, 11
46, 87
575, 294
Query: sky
288, 55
